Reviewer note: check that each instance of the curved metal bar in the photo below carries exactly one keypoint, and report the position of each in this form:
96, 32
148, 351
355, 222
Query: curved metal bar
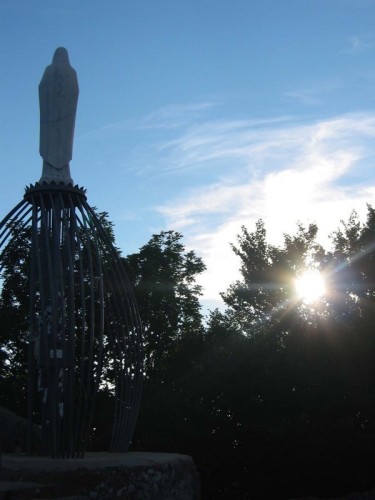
130, 373
81, 321
86, 367
69, 372
80, 300
13, 225
96, 278
12, 212
49, 331
32, 339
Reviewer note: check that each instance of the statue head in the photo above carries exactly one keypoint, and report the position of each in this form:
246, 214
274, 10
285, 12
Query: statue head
61, 56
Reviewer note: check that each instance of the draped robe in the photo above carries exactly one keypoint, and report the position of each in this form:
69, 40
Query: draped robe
58, 97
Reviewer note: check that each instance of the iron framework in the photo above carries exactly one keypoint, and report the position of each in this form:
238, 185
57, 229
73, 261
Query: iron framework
83, 320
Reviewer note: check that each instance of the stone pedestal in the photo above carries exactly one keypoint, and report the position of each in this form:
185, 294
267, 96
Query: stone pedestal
107, 476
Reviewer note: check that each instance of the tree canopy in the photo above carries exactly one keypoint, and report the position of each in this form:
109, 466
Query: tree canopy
278, 389
163, 275
272, 396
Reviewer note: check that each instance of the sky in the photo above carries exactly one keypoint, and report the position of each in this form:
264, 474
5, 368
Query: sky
200, 116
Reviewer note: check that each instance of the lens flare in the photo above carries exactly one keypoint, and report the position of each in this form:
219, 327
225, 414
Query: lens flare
310, 286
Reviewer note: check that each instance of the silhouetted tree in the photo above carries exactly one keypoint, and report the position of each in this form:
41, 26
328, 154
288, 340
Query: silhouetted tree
164, 275
299, 394
273, 395
14, 324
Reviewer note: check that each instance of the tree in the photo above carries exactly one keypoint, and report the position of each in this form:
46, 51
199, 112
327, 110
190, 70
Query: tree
264, 296
14, 325
276, 390
293, 394
164, 275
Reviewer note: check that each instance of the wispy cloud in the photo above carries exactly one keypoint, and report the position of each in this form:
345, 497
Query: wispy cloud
228, 173
211, 145
313, 95
282, 172
359, 44
166, 117
309, 97
174, 115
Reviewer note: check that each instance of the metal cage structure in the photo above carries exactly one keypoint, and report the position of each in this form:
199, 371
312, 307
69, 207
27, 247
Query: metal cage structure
83, 320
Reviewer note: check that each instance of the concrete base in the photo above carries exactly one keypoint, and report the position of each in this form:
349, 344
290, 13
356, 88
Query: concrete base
134, 475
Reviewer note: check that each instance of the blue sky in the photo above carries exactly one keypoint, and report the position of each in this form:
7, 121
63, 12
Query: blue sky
200, 115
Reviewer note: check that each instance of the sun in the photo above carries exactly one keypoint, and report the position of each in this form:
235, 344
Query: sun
310, 286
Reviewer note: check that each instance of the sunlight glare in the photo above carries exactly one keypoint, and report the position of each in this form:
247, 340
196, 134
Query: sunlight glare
310, 286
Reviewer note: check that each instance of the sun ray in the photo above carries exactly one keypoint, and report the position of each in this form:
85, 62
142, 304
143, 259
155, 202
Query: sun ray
310, 286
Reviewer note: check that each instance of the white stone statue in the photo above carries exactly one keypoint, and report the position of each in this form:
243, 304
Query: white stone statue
58, 96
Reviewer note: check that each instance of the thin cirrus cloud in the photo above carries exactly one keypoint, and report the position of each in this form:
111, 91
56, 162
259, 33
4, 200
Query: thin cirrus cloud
359, 44
280, 171
221, 145
316, 94
174, 115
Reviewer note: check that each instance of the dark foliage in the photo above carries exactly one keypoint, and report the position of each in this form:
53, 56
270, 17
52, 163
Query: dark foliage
275, 399
163, 276
14, 311
272, 397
